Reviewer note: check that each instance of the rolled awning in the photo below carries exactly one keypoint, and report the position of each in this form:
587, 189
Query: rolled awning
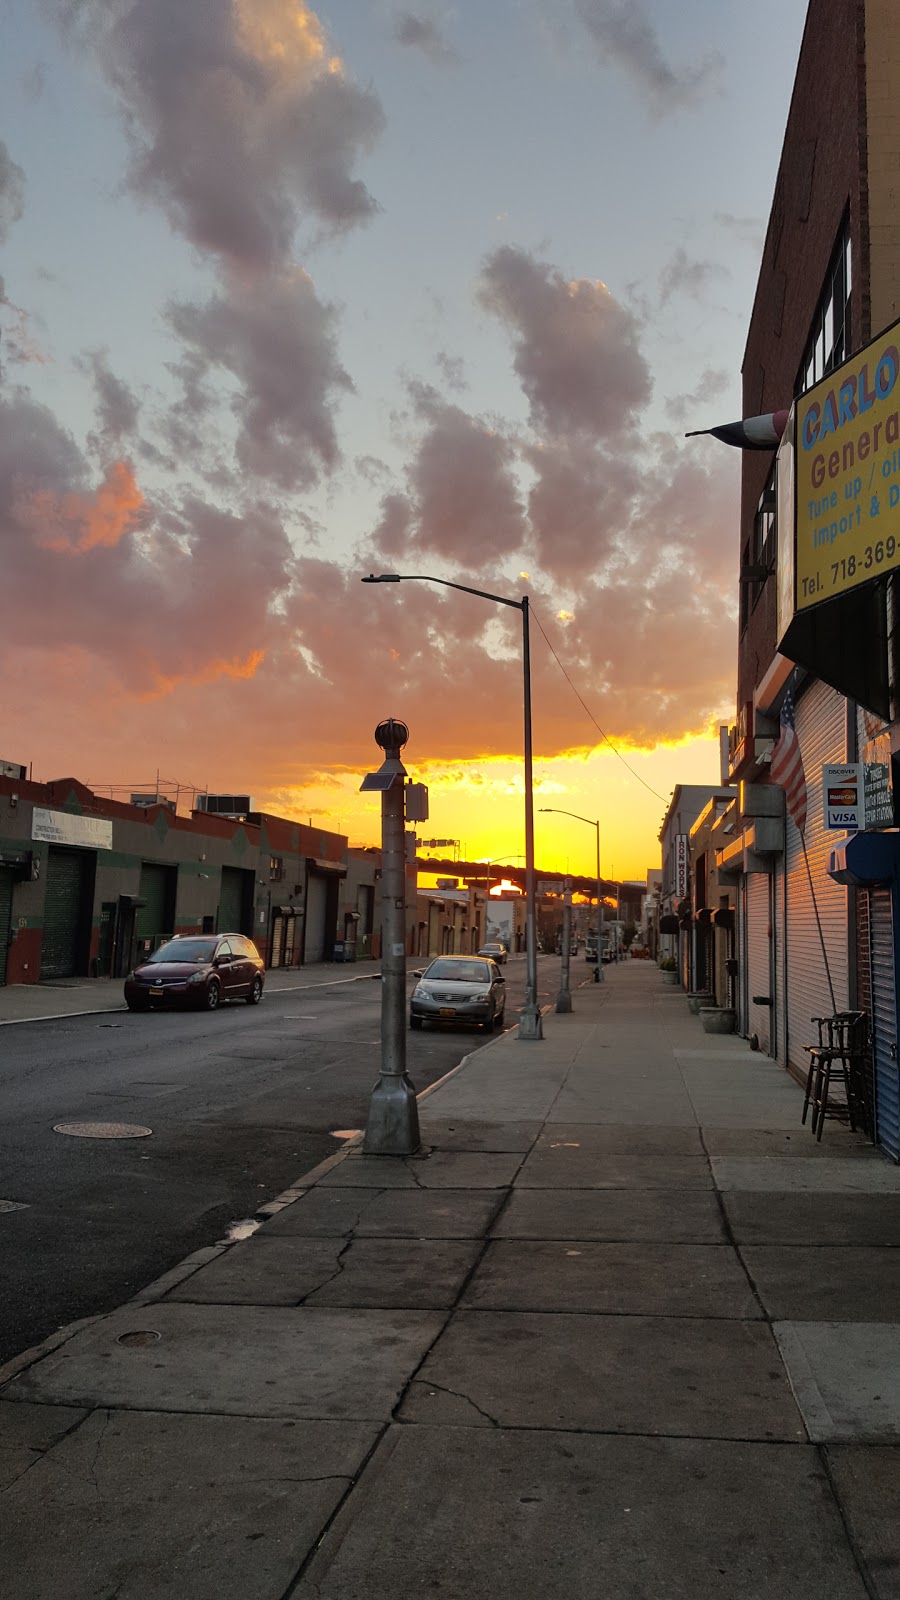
668, 923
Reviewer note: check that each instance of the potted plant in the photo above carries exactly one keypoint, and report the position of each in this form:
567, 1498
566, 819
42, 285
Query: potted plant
669, 969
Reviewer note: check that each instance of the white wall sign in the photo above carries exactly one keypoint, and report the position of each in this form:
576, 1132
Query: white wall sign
842, 798
682, 856
63, 827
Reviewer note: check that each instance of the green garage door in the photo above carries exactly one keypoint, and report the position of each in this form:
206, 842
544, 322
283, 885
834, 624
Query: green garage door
154, 921
64, 912
5, 914
234, 895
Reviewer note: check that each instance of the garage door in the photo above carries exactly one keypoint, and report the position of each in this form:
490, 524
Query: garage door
316, 907
5, 917
157, 891
63, 912
233, 899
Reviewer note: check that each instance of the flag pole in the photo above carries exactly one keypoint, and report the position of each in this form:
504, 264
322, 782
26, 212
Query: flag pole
818, 923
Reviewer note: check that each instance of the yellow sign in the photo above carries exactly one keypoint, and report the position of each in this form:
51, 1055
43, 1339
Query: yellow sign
848, 474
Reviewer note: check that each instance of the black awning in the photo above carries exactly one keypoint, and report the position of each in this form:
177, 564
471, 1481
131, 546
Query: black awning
704, 915
668, 923
724, 918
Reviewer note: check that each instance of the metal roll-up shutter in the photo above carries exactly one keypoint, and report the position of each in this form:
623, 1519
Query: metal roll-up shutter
759, 957
821, 723
316, 907
742, 986
434, 929
63, 912
277, 941
6, 884
884, 1022
779, 1039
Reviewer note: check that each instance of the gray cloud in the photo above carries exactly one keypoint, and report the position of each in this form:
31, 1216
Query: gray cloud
683, 274
239, 119
576, 348
117, 408
12, 191
625, 37
713, 382
423, 33
277, 340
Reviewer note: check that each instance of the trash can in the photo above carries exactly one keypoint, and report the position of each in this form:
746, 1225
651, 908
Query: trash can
338, 951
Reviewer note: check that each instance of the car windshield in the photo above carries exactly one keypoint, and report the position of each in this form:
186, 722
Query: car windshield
185, 950
458, 972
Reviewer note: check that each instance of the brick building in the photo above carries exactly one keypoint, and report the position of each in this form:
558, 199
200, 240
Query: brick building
829, 283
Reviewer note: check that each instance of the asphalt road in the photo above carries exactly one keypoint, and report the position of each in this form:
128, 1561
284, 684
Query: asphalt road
241, 1102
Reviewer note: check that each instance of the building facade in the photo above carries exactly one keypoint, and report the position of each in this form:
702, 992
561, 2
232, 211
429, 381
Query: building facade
816, 908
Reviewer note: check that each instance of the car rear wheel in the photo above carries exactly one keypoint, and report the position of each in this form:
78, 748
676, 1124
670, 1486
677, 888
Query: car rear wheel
212, 997
415, 1023
255, 994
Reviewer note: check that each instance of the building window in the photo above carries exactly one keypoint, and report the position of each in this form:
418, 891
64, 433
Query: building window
760, 550
829, 339
276, 869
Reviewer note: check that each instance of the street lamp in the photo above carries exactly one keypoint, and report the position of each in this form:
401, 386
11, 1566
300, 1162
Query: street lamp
530, 1021
592, 823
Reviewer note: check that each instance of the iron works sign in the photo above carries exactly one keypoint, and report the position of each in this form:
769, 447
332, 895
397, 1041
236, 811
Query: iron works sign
847, 466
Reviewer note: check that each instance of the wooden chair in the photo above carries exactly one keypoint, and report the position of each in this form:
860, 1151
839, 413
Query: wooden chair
842, 1044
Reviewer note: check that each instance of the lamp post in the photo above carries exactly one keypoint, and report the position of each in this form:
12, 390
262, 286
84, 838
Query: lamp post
530, 1022
592, 823
393, 1124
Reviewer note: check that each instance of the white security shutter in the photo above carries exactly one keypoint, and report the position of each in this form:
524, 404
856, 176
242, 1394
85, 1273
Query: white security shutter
821, 723
884, 1022
778, 1038
759, 956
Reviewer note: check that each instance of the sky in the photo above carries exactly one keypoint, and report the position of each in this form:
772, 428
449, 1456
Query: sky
290, 296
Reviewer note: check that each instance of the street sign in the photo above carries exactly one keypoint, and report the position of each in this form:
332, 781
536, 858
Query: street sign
682, 858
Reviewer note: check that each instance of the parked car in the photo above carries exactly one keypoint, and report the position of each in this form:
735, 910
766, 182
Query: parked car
198, 971
494, 951
459, 989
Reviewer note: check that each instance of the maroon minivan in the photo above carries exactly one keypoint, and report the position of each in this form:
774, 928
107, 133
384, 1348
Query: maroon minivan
198, 970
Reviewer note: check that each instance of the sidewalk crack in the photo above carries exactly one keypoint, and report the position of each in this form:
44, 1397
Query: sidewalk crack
440, 1388
339, 1264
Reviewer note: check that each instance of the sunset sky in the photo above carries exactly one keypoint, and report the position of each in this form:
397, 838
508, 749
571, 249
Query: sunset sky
290, 296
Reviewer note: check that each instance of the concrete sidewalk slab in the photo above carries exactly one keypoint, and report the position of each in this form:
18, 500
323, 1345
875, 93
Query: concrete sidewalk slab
460, 1133
563, 1167
612, 1374
867, 1482
238, 1360
813, 1219
210, 1508
441, 1169
471, 1513
388, 1274
676, 1216
845, 1377
834, 1176
621, 1138
392, 1214
27, 1432
823, 1283
794, 1143
670, 1280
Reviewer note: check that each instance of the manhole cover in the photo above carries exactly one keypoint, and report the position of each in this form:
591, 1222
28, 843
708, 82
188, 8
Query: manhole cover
102, 1130
138, 1336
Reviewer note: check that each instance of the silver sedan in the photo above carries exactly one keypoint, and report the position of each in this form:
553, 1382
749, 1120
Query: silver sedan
459, 989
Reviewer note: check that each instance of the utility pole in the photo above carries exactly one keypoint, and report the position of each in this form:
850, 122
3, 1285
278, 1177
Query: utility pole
393, 1125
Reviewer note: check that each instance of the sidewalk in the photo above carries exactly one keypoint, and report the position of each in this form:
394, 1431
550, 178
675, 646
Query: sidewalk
623, 1331
79, 997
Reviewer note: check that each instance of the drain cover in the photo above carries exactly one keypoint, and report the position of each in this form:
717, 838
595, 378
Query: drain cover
102, 1130
138, 1336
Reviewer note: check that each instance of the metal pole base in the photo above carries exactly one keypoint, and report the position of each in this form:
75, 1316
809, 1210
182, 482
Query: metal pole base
393, 1126
564, 1000
531, 1024
598, 973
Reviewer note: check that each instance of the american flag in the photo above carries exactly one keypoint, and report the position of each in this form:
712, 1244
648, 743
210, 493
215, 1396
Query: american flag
787, 765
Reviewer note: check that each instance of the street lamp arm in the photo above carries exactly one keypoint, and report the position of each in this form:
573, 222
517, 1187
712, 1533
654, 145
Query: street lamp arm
557, 811
421, 577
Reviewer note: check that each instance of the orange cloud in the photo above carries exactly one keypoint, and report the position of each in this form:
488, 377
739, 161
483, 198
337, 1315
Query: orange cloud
235, 668
77, 522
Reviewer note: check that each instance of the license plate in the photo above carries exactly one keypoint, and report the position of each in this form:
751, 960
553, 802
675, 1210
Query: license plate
156, 994
447, 1011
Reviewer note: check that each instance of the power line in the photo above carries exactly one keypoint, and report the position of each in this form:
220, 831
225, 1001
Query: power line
587, 709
